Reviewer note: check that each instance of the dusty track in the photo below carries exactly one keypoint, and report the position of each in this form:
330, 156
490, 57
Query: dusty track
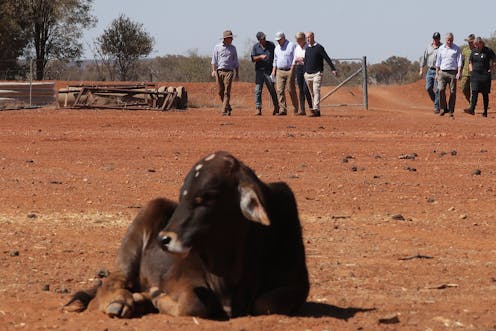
71, 181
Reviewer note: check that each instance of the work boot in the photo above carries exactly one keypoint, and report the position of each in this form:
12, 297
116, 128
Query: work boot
469, 111
276, 110
484, 114
301, 113
314, 113
258, 112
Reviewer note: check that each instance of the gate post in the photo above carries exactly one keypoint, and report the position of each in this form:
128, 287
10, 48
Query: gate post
365, 83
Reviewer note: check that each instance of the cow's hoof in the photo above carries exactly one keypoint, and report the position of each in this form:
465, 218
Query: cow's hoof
118, 309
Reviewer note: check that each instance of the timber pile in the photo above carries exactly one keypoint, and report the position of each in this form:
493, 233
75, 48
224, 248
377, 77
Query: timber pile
132, 97
26, 95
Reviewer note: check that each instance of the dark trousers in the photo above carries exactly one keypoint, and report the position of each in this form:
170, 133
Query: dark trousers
304, 92
261, 78
482, 86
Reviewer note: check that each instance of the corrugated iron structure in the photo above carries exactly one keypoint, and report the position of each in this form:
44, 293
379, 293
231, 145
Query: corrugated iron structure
26, 95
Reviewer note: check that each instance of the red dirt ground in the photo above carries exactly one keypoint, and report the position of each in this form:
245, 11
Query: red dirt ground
72, 180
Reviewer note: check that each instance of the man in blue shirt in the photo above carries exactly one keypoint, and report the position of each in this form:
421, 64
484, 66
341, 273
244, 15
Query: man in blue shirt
225, 68
429, 60
284, 73
262, 54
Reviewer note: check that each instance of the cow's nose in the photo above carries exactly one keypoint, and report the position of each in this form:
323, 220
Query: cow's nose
165, 241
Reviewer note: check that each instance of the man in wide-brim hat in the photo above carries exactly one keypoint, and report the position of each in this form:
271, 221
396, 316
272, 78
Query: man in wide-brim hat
225, 68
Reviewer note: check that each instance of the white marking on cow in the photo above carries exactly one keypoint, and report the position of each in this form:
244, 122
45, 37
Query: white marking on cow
197, 174
210, 157
198, 167
146, 238
185, 193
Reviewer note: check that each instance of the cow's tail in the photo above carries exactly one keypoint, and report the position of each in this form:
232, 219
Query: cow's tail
81, 299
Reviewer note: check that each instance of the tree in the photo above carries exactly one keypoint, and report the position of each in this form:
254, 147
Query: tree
395, 70
125, 42
56, 29
13, 36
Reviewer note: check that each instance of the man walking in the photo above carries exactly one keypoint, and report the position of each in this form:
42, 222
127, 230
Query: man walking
429, 60
225, 68
284, 73
315, 55
466, 52
448, 71
262, 54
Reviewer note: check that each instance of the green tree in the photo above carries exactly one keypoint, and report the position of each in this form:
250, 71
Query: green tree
56, 29
13, 36
124, 43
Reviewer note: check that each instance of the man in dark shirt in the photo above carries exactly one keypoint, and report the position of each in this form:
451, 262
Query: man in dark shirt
262, 54
314, 68
481, 60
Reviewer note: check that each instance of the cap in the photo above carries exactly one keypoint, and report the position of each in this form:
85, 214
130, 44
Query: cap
436, 35
260, 35
300, 35
227, 34
479, 40
279, 36
471, 37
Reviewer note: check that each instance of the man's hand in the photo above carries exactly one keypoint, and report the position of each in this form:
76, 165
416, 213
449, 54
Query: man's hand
334, 72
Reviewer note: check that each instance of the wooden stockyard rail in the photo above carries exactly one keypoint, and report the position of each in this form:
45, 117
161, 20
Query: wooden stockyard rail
15, 95
131, 97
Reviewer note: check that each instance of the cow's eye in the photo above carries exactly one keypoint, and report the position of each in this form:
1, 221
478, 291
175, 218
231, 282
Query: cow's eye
207, 198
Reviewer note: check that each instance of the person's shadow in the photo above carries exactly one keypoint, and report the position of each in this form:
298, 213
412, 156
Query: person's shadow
317, 310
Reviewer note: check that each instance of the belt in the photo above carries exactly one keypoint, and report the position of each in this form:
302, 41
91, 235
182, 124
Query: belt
226, 70
284, 69
449, 70
432, 68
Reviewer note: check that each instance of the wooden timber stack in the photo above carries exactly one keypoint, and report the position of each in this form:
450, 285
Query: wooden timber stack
132, 97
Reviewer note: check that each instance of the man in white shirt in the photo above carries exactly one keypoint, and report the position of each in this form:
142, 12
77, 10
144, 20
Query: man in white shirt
448, 71
284, 73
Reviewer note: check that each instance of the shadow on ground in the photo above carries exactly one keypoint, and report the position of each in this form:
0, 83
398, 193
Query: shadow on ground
317, 309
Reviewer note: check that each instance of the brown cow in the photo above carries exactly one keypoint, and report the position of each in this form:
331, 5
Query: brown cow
232, 246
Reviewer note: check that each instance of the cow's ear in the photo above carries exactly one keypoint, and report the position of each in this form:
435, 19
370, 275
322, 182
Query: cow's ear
250, 205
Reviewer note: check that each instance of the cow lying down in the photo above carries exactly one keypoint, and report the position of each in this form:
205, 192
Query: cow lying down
231, 246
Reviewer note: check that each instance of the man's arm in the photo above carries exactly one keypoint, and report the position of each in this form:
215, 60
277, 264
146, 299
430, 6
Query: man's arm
213, 63
423, 62
236, 68
329, 61
460, 64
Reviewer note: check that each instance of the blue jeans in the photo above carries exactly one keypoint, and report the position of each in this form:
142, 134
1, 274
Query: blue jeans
262, 77
431, 87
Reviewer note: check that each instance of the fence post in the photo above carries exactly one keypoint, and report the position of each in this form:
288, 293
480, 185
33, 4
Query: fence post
31, 83
365, 84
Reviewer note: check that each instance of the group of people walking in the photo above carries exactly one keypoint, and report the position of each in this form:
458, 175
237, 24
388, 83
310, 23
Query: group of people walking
447, 63
280, 66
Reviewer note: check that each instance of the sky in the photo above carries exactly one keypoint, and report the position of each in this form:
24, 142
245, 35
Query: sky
377, 29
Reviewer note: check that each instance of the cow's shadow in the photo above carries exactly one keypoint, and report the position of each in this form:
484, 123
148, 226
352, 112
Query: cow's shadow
317, 310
